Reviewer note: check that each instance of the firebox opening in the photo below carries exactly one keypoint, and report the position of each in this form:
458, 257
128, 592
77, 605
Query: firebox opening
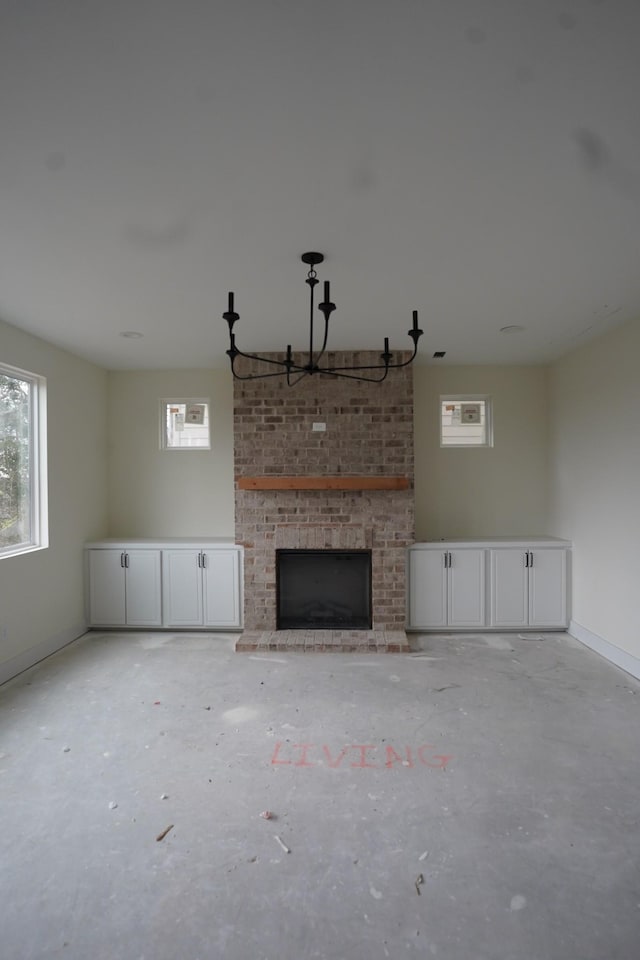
323, 589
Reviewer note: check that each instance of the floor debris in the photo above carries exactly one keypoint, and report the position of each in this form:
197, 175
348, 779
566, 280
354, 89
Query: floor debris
419, 882
112, 805
423, 856
283, 845
267, 815
164, 796
162, 835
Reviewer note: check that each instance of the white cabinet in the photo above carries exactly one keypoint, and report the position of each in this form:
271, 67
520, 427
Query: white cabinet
164, 583
201, 587
446, 588
124, 588
499, 584
529, 587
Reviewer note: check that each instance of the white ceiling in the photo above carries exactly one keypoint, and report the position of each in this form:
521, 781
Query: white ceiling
477, 160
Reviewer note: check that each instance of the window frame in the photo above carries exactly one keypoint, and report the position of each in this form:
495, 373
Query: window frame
37, 454
167, 401
488, 424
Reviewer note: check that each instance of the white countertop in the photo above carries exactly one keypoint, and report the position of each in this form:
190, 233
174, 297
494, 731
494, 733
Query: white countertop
162, 543
489, 542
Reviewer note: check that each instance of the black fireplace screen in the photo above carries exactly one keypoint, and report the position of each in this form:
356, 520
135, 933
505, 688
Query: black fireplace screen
323, 589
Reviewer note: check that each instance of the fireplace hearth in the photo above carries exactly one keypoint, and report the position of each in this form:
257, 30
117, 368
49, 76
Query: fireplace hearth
323, 589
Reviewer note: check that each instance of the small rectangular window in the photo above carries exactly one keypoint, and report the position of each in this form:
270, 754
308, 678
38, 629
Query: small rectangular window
23, 464
465, 421
185, 424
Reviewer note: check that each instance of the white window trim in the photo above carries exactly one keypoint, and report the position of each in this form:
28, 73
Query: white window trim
38, 494
468, 398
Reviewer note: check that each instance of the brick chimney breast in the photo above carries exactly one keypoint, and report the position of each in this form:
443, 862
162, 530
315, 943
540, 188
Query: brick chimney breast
368, 433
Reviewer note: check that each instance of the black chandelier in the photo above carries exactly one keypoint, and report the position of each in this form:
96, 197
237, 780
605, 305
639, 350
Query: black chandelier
294, 371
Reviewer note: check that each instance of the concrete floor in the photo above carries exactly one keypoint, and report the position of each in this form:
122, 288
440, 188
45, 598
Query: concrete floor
477, 799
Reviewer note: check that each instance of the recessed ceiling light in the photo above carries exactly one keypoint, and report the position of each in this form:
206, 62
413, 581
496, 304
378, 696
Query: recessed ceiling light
132, 334
512, 328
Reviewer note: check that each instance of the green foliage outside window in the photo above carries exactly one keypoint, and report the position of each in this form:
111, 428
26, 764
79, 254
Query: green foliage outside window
15, 460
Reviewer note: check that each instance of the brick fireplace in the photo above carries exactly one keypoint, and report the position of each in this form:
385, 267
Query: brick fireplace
367, 441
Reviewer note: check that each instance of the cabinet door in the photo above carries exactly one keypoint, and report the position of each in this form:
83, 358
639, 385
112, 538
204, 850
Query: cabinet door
221, 588
107, 607
427, 589
509, 588
466, 595
143, 594
181, 588
548, 588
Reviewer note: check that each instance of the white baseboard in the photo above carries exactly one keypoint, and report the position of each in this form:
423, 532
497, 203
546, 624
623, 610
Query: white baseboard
626, 661
11, 668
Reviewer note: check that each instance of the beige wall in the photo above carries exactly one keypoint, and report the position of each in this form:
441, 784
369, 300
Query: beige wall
160, 493
595, 466
41, 593
497, 491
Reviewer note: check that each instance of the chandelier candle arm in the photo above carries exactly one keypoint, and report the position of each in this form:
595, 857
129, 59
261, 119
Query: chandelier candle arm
313, 365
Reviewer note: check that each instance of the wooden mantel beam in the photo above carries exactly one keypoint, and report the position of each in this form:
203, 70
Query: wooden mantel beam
323, 483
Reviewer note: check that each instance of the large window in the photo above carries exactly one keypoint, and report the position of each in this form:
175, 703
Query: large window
23, 487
